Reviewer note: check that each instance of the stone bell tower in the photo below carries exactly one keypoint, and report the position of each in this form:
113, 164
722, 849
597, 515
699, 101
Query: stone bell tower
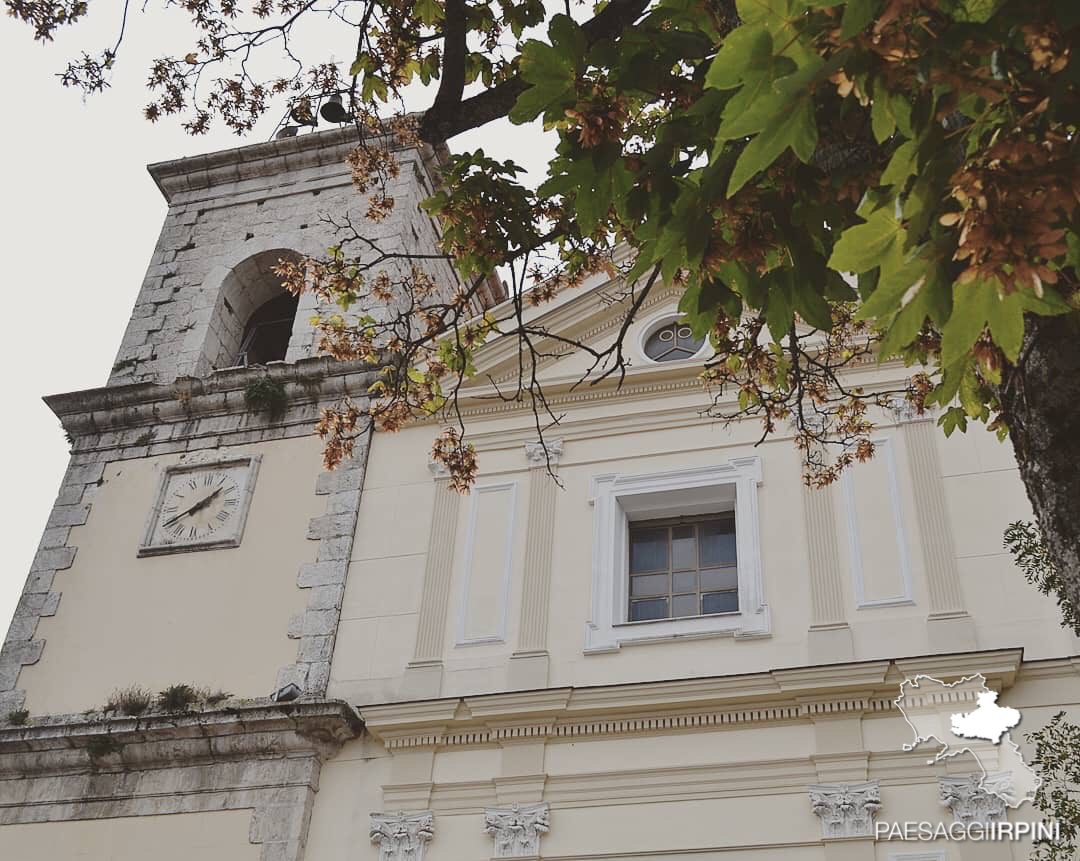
196, 539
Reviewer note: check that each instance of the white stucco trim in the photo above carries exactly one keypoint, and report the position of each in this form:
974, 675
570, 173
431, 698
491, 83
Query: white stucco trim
653, 322
619, 499
885, 449
471, 534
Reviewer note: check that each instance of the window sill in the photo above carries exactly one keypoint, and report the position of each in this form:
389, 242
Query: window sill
738, 625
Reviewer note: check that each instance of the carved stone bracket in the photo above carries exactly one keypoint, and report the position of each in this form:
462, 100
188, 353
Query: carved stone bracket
974, 797
846, 810
517, 829
402, 836
548, 451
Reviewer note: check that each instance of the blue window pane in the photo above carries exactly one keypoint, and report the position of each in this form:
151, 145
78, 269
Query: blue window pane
717, 542
720, 578
685, 581
648, 550
654, 608
684, 605
720, 602
649, 584
683, 549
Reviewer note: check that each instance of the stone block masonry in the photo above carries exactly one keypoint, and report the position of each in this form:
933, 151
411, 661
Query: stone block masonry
263, 203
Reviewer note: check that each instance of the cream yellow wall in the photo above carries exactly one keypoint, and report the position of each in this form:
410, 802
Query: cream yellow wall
215, 618
218, 836
711, 792
655, 433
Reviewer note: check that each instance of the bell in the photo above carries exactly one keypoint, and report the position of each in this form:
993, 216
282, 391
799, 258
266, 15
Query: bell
333, 111
287, 132
301, 114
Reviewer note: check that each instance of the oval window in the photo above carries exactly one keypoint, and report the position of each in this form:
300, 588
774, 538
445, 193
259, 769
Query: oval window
671, 342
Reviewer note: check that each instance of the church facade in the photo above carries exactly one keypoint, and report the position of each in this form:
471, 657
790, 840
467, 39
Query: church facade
643, 639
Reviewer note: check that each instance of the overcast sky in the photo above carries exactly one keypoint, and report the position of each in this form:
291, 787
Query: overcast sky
79, 216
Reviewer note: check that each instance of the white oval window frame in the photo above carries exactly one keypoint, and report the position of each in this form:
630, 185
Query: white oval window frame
658, 321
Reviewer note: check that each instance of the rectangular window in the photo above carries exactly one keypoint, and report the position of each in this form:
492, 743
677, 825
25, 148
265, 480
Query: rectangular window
681, 567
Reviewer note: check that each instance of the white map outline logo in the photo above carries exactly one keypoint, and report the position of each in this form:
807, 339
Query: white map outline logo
964, 717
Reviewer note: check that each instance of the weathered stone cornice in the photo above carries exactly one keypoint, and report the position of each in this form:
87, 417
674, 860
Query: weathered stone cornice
315, 381
64, 743
271, 158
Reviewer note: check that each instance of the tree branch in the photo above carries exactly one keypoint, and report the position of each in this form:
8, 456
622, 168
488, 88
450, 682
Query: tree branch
452, 81
448, 117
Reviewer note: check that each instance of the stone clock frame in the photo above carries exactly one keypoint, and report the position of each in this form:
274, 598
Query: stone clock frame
247, 490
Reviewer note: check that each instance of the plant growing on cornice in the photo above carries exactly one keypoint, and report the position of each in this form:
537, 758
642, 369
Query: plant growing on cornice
1057, 761
753, 153
266, 395
131, 701
216, 698
18, 717
178, 698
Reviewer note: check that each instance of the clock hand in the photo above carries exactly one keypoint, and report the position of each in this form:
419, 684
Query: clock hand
198, 506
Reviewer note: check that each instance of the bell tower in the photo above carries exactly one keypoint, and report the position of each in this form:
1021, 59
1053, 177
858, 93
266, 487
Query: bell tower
215, 388
177, 625
175, 632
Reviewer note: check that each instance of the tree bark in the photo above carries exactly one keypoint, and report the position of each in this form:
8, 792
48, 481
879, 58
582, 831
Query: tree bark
1041, 403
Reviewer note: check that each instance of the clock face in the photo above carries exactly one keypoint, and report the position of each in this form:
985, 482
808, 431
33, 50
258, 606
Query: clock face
201, 507
197, 505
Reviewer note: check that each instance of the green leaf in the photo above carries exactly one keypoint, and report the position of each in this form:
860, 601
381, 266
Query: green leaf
756, 103
428, 11
882, 122
1006, 319
744, 49
953, 419
978, 11
971, 394
796, 128
901, 165
567, 35
751, 11
551, 73
361, 64
894, 290
811, 305
857, 14
967, 321
779, 311
863, 246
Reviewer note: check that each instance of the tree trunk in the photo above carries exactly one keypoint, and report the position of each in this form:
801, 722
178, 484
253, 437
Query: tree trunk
1041, 401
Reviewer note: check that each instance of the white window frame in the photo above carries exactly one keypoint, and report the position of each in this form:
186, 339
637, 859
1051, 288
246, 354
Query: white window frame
619, 500
657, 321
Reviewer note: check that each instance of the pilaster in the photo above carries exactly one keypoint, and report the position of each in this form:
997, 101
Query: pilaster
529, 665
829, 636
949, 627
423, 675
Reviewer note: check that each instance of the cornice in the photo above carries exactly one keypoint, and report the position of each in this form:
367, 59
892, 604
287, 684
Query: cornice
998, 667
783, 695
113, 408
272, 158
62, 743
